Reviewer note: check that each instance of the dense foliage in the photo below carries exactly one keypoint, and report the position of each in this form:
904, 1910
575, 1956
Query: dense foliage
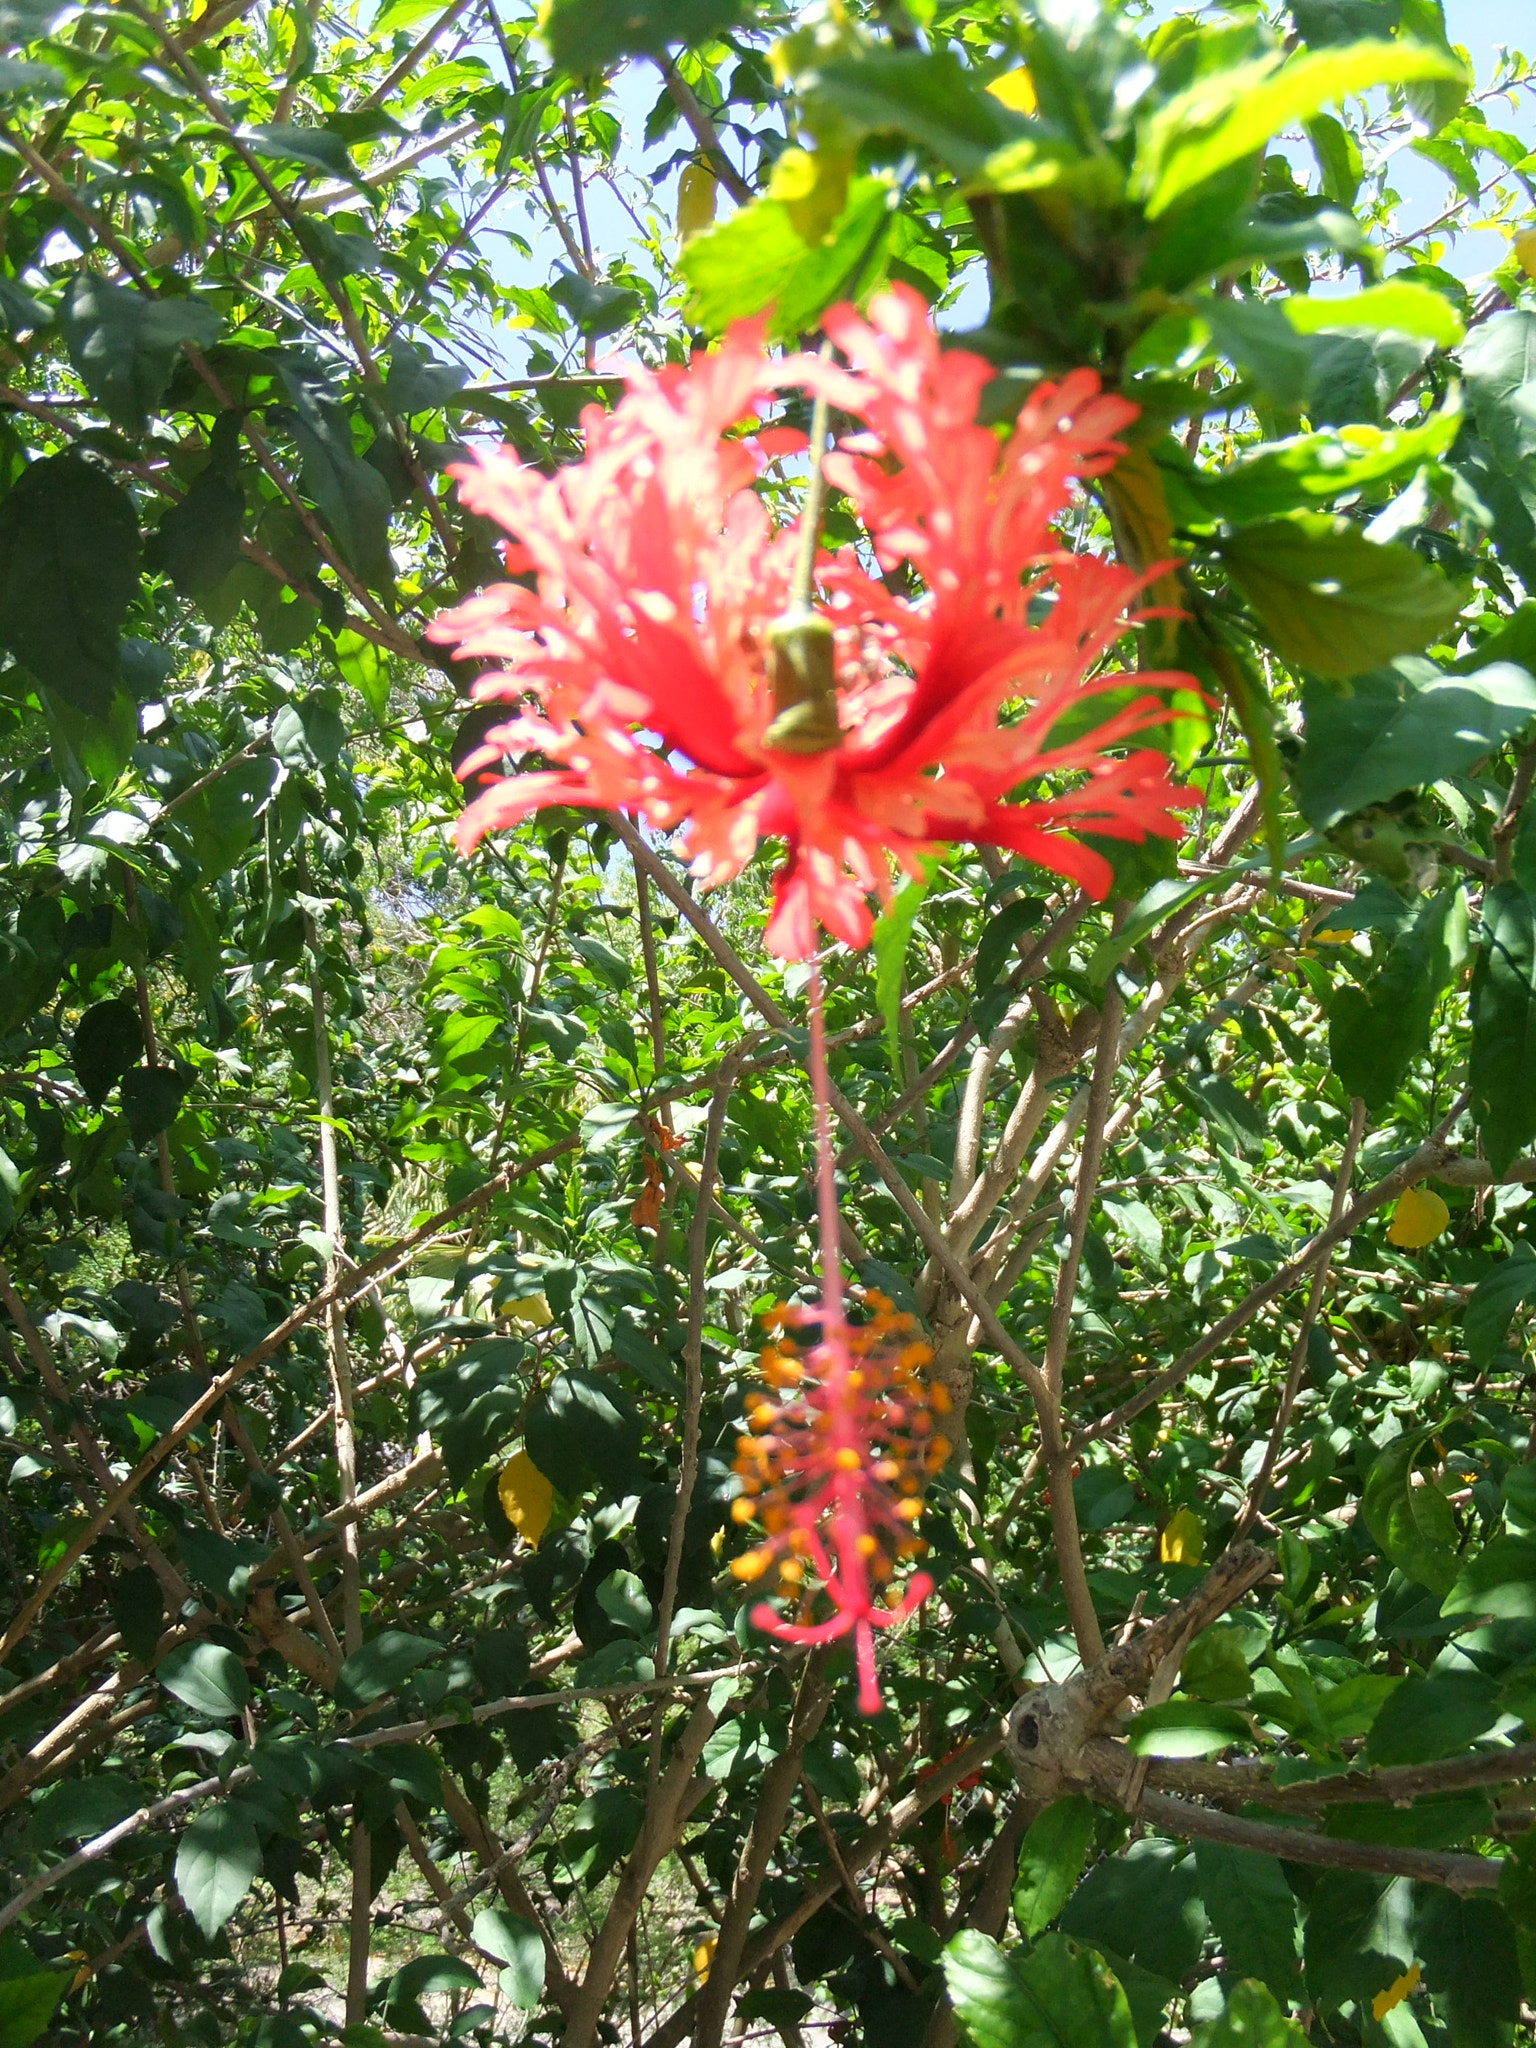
385, 1233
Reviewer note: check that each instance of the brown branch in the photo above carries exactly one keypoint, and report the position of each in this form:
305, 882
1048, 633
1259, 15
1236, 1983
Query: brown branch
705, 133
1429, 1866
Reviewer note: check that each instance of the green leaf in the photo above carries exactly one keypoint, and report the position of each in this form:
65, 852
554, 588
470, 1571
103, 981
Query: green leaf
889, 941
125, 344
1252, 1912
152, 1099
583, 1426
1307, 469
1215, 1666
1359, 1936
930, 98
312, 149
1414, 1525
26, 2006
1498, 361
379, 1666
138, 1610
108, 1040
1400, 729
1398, 307
197, 542
1470, 1964
516, 1943
206, 1677
1251, 2020
82, 1807
1432, 1717
351, 494
1145, 1905
1491, 1308
1056, 1995
1184, 1728
1503, 1065
1232, 113
217, 1862
1499, 1582
1375, 1031
1051, 1862
757, 259
1228, 1112
1003, 930
1332, 601
589, 35
596, 308
308, 735
69, 569
425, 1977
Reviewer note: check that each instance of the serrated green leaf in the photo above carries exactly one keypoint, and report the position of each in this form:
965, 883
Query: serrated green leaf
1059, 1993
1334, 602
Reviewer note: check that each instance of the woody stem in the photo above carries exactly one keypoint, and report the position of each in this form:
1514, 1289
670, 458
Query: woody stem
826, 1182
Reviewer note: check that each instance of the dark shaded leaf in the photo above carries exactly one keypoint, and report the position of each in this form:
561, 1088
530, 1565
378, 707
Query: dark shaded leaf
217, 1861
125, 343
206, 1677
109, 1039
69, 569
588, 35
1503, 1066
379, 1666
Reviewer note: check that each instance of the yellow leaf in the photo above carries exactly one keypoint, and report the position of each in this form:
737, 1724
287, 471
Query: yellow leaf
526, 1497
697, 191
812, 187
703, 1956
1418, 1219
1525, 251
1399, 1989
1016, 89
1183, 1539
532, 1312
1333, 938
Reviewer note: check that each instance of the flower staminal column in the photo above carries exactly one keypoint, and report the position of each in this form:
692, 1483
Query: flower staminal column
838, 1449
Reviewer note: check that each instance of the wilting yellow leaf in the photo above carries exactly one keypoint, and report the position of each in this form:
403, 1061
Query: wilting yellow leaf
532, 1312
1333, 938
1525, 251
526, 1497
1399, 1989
1418, 1219
703, 1956
1183, 1539
1016, 89
697, 191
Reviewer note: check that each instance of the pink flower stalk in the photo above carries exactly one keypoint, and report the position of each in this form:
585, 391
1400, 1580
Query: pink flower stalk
660, 665
832, 1471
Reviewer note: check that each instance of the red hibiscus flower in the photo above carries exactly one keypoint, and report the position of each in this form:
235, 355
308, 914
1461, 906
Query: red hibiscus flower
659, 664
